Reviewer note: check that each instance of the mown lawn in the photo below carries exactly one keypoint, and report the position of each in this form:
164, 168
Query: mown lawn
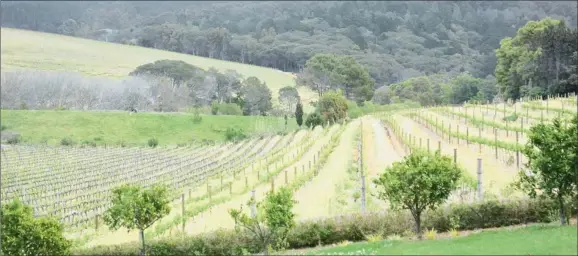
50, 126
533, 240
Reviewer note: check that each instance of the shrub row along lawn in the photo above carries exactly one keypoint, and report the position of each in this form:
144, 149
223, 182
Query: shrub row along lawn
532, 240
352, 228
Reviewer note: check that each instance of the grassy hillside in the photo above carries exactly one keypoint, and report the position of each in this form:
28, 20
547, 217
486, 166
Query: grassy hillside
44, 51
114, 127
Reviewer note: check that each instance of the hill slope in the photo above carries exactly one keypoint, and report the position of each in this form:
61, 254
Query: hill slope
44, 51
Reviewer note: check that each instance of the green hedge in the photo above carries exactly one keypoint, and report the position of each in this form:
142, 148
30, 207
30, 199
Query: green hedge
351, 228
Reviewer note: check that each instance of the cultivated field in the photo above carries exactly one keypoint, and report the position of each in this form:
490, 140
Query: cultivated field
321, 166
44, 51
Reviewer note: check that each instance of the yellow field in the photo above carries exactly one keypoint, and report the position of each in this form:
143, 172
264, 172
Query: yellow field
44, 51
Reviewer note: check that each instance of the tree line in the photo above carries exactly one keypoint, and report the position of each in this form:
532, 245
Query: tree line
393, 40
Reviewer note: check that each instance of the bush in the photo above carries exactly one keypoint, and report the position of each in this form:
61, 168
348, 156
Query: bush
13, 138
3, 127
197, 118
510, 118
214, 108
88, 143
355, 227
153, 143
67, 141
234, 134
314, 119
230, 109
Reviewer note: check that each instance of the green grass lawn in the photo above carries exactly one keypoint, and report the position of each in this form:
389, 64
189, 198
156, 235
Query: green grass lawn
533, 240
112, 127
45, 51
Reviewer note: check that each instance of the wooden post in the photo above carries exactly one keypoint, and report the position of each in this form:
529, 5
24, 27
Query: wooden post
496, 143
455, 156
420, 142
428, 145
273, 185
286, 180
440, 146
480, 194
246, 182
522, 125
183, 211
458, 133
96, 224
295, 171
221, 182
449, 133
517, 154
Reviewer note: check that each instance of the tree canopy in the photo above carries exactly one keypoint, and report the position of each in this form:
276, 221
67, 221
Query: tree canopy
393, 40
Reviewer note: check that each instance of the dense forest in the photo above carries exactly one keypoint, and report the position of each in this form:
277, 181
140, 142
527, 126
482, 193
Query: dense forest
394, 41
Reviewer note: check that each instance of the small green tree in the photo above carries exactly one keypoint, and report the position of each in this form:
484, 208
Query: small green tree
552, 158
22, 234
299, 114
134, 208
314, 119
332, 106
273, 221
419, 182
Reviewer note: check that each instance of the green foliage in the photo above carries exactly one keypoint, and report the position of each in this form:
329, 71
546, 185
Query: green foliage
153, 142
88, 143
355, 227
178, 70
67, 141
325, 72
3, 127
257, 97
529, 63
14, 139
272, 223
299, 114
197, 118
22, 234
552, 152
234, 134
439, 89
332, 106
511, 118
314, 119
231, 109
289, 97
421, 181
133, 208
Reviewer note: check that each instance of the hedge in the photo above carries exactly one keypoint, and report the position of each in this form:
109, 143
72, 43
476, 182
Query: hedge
356, 227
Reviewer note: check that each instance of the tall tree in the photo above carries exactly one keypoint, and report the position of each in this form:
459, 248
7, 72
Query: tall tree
331, 72
537, 60
257, 95
552, 151
289, 97
134, 208
299, 114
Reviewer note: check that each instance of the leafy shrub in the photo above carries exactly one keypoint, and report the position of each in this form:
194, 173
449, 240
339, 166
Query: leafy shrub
235, 134
88, 143
67, 141
22, 234
352, 228
3, 127
14, 139
511, 118
214, 108
197, 118
153, 142
431, 234
230, 109
314, 119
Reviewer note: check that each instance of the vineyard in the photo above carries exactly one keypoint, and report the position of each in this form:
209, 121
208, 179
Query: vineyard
330, 170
